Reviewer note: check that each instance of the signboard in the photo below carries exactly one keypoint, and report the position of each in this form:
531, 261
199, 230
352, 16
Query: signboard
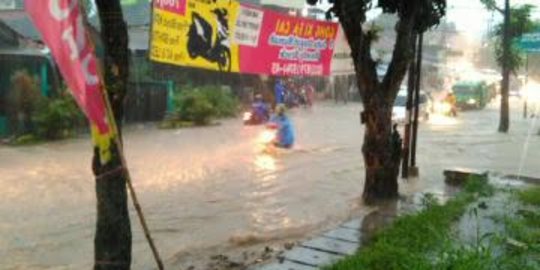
227, 36
530, 42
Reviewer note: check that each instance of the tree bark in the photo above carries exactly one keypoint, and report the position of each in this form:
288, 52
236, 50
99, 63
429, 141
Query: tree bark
112, 242
382, 168
504, 123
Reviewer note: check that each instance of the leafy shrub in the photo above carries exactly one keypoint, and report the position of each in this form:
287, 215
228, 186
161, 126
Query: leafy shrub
22, 100
26, 139
194, 106
201, 104
57, 118
225, 104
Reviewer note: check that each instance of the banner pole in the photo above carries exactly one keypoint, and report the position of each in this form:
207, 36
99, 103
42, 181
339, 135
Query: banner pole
137, 206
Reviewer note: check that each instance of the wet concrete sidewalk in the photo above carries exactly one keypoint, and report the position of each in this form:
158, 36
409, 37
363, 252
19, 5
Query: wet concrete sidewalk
344, 240
347, 238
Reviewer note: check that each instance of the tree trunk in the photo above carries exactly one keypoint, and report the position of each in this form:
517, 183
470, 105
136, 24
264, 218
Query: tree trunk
382, 165
504, 123
112, 242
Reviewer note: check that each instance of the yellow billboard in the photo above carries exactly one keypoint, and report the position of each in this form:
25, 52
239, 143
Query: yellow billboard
195, 33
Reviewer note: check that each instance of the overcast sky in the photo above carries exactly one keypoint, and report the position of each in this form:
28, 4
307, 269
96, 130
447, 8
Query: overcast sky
471, 17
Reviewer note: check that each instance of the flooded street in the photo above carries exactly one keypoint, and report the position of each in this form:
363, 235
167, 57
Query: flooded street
202, 188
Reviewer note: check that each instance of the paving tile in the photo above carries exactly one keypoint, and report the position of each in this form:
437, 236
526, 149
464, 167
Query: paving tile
311, 257
344, 234
355, 224
287, 265
331, 245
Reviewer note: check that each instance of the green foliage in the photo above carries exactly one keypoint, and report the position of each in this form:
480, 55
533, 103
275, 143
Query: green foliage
225, 104
479, 185
520, 23
530, 196
431, 12
195, 107
407, 242
491, 5
429, 200
426, 240
419, 241
24, 94
22, 100
57, 118
27, 139
200, 105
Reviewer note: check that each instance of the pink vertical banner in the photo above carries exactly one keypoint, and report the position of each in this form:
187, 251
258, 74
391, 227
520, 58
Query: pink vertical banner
61, 25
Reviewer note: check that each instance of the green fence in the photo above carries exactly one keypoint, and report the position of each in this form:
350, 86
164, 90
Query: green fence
3, 126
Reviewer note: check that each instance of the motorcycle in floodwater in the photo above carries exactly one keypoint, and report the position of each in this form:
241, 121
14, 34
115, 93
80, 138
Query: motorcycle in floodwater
253, 118
202, 44
268, 138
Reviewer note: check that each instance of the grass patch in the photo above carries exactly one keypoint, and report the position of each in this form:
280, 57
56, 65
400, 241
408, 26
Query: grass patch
530, 196
414, 241
479, 185
427, 240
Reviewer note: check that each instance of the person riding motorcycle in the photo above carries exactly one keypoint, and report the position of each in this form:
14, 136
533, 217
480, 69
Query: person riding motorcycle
451, 100
285, 130
260, 109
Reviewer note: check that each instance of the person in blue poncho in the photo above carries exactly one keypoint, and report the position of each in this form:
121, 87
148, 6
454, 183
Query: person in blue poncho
285, 130
279, 92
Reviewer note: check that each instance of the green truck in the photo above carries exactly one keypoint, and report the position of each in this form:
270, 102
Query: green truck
473, 94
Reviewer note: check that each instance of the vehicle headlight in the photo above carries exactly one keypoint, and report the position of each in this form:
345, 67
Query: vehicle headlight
471, 101
247, 116
442, 107
267, 136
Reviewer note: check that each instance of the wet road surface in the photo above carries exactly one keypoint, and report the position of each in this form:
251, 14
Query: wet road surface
207, 187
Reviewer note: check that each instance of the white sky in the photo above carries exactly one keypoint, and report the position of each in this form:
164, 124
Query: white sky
471, 17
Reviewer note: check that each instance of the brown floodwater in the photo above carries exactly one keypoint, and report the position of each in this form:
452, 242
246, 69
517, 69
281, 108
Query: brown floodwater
210, 187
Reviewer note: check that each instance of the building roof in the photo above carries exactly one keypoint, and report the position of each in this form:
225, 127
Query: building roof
8, 37
24, 51
19, 21
136, 15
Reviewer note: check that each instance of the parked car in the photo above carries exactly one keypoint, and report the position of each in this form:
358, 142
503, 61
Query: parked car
399, 111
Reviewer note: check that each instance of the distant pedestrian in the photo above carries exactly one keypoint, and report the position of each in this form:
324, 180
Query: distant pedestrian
396, 144
279, 92
309, 93
341, 90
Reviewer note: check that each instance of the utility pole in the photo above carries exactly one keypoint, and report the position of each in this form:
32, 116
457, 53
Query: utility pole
408, 114
525, 109
413, 170
504, 124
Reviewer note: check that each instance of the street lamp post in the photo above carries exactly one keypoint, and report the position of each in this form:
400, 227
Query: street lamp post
408, 114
